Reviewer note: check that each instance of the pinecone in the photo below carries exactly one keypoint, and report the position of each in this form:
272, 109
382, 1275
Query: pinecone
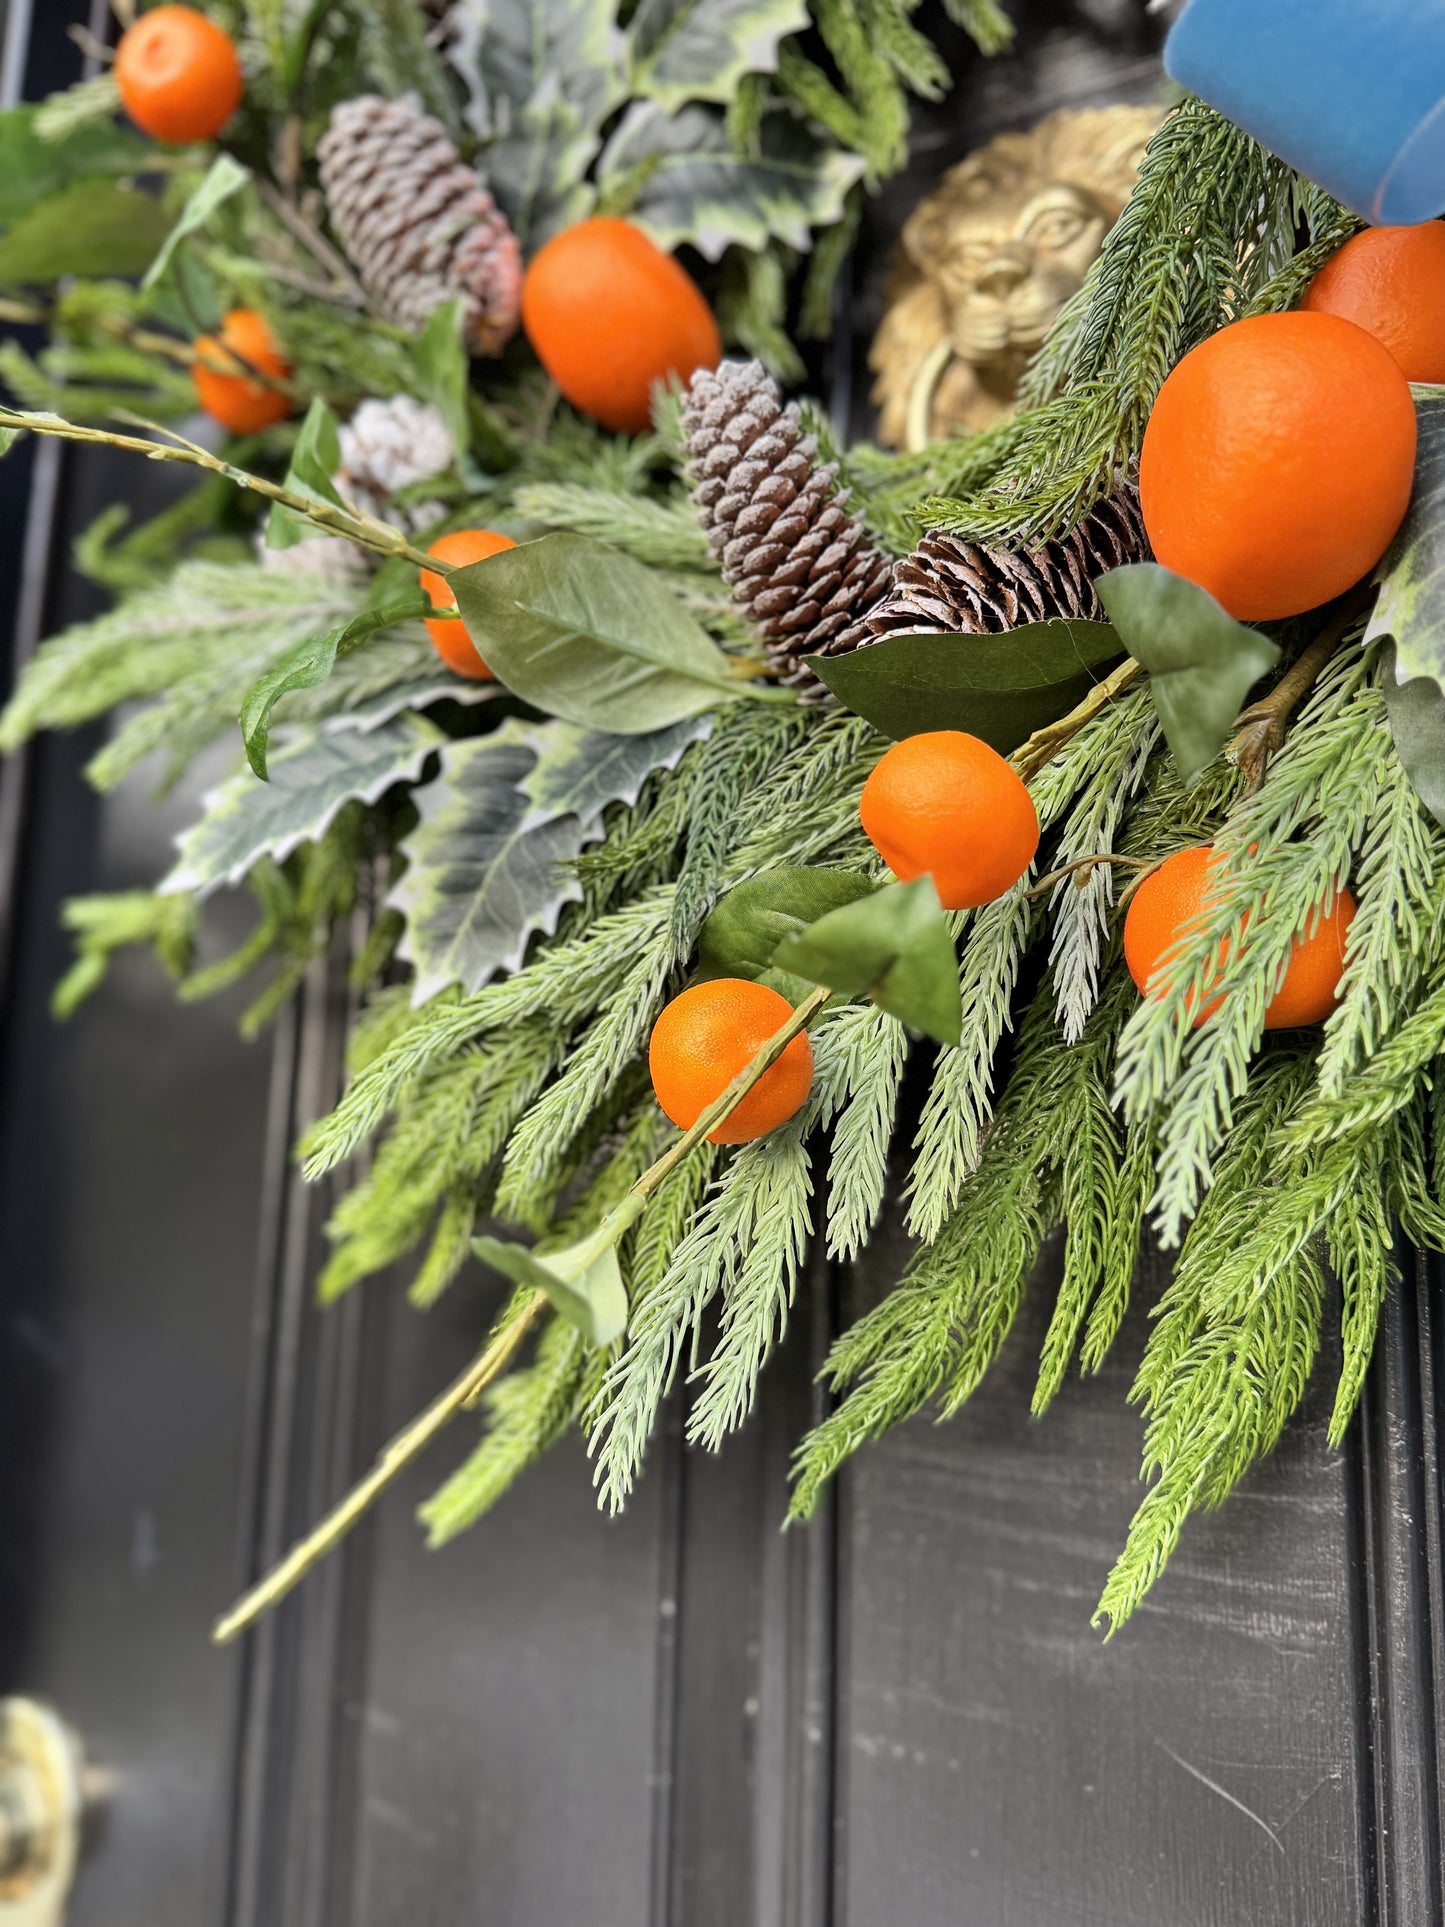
419, 226
391, 445
954, 586
775, 518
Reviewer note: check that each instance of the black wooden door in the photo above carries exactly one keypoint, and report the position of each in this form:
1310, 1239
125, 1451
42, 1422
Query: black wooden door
686, 1718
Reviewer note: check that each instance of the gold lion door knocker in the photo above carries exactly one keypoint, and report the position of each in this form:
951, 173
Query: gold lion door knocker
987, 261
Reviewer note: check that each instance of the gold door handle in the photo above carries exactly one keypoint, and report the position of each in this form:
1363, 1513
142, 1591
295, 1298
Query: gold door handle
43, 1796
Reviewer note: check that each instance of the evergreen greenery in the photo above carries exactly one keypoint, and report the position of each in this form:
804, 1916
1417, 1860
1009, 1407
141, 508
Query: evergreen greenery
1276, 1167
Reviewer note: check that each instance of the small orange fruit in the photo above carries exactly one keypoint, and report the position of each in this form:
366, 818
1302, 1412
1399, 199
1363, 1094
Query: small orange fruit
1176, 893
238, 401
609, 314
1391, 281
179, 75
706, 1036
1278, 461
946, 805
448, 633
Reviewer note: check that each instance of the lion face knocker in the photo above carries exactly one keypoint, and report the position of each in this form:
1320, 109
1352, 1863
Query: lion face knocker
988, 260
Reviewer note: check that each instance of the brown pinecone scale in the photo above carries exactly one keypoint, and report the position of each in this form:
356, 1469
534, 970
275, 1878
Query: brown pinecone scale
954, 586
794, 556
416, 222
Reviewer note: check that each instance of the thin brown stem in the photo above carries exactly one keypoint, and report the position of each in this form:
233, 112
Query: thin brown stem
465, 1390
1045, 743
1261, 728
1081, 869
313, 240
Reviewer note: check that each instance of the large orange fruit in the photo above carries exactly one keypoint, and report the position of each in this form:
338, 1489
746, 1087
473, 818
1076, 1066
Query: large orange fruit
948, 806
609, 314
1277, 462
1175, 894
448, 633
179, 75
1391, 281
238, 400
706, 1036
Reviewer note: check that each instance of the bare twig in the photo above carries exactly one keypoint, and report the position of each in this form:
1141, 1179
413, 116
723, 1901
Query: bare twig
1260, 729
1081, 869
313, 240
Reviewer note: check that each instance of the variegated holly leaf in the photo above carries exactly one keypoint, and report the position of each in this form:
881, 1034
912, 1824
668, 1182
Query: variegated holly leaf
543, 76
311, 779
486, 864
583, 770
692, 185
1411, 603
700, 49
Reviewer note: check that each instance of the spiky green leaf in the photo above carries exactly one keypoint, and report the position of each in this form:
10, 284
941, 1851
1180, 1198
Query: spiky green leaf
700, 49
311, 779
690, 184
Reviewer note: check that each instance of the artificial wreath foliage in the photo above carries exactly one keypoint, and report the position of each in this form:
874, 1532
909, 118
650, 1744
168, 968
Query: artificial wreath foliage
640, 798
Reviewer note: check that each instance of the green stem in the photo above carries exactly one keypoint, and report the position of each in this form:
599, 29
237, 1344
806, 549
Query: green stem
379, 537
465, 1390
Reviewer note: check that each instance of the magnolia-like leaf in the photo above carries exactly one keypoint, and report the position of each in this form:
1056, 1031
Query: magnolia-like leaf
700, 49
478, 882
224, 178
583, 1282
1201, 662
33, 168
896, 945
90, 228
309, 664
1416, 710
444, 369
587, 634
543, 77
1000, 688
1411, 603
246, 819
314, 462
583, 770
692, 185
742, 935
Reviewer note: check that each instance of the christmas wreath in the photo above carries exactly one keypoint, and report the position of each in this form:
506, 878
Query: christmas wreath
693, 771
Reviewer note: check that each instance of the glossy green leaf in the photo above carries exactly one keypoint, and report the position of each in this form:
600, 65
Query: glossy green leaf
224, 178
309, 664
32, 169
1411, 603
1201, 662
93, 228
894, 944
742, 935
543, 77
690, 184
700, 49
1416, 710
583, 1282
311, 779
1000, 688
314, 462
588, 634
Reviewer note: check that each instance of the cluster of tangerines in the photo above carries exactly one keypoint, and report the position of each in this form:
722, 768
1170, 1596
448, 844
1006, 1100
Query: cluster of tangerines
1277, 466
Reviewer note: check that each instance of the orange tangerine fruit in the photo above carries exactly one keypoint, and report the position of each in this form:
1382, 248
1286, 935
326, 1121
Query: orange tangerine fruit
179, 75
708, 1034
1391, 282
239, 401
946, 805
448, 633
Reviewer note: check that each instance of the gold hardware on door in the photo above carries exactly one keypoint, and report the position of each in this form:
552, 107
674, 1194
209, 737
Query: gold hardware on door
42, 1804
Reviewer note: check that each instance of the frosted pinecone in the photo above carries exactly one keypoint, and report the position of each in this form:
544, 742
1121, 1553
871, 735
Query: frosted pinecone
795, 558
388, 446
416, 222
954, 586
